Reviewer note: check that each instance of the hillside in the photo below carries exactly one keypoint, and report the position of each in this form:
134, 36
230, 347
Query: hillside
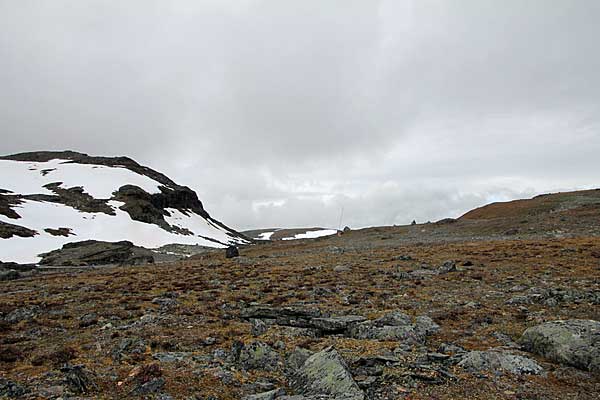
48, 199
581, 202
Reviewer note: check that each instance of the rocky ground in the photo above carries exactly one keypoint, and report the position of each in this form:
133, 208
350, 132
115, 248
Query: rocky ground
383, 313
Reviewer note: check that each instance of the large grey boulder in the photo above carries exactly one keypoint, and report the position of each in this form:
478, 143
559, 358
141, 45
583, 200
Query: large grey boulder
326, 374
572, 342
497, 361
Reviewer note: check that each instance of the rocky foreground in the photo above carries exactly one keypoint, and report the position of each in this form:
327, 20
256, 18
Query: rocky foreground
361, 316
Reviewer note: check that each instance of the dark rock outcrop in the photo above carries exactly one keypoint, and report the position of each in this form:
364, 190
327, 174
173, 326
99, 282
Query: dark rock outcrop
66, 232
9, 230
93, 252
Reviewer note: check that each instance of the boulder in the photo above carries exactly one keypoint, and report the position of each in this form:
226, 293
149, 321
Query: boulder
571, 342
496, 361
9, 274
326, 374
232, 252
93, 252
258, 355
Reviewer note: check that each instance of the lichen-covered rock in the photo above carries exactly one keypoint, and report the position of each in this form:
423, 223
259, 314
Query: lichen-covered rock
270, 395
297, 358
258, 355
426, 326
496, 361
369, 331
571, 342
336, 324
325, 373
394, 326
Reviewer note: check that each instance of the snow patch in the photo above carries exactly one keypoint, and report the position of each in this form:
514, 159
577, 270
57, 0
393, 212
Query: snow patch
313, 234
25, 177
39, 215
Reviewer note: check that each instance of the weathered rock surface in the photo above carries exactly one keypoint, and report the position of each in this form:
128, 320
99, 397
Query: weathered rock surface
395, 326
9, 274
258, 355
326, 373
270, 395
392, 326
93, 252
499, 361
571, 342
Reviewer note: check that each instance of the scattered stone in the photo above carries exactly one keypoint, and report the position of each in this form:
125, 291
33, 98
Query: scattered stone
258, 355
152, 386
270, 395
165, 301
258, 327
572, 342
496, 361
325, 373
78, 379
11, 389
232, 252
169, 357
448, 266
22, 314
129, 348
9, 275
336, 324
88, 320
394, 326
341, 268
425, 326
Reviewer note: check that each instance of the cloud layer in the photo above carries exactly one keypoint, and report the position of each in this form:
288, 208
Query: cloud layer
282, 114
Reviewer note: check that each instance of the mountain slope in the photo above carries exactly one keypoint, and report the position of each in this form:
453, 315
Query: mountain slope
48, 199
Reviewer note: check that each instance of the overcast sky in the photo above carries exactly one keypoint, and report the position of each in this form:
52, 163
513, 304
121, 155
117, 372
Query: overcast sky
280, 113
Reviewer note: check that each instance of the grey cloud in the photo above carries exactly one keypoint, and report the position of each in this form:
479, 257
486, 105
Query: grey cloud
281, 113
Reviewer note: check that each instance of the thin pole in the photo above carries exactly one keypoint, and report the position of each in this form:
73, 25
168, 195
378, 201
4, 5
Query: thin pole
341, 216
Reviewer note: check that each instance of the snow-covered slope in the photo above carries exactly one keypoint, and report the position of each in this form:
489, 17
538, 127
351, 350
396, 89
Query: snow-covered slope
107, 199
